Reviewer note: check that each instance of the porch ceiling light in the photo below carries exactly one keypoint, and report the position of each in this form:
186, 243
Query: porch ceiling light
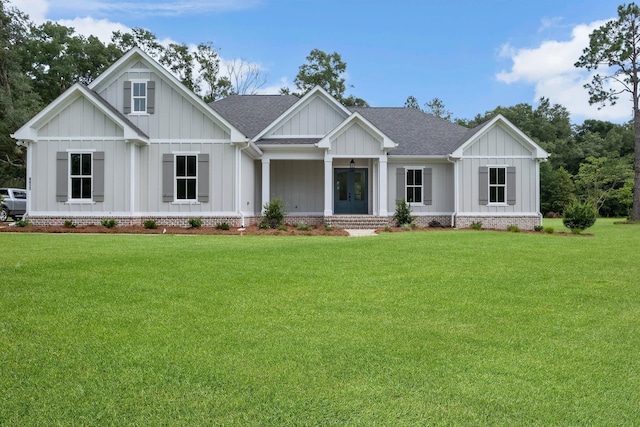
352, 164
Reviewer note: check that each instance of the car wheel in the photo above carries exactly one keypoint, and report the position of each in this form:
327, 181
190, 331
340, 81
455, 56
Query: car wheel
3, 214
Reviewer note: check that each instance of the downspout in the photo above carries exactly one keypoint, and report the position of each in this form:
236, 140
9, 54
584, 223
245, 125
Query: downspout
455, 191
26, 145
132, 183
239, 180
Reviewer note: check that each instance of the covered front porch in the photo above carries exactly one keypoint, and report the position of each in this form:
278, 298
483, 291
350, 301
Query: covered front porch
326, 187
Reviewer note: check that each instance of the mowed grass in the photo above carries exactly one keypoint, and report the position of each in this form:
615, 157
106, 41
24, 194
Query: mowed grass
426, 328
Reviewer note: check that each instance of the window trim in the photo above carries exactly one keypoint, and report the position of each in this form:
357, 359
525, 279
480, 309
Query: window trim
421, 186
145, 97
70, 177
195, 178
505, 186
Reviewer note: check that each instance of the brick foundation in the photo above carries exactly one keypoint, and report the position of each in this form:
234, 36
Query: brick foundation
499, 222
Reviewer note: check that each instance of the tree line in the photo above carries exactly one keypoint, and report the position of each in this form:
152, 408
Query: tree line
592, 161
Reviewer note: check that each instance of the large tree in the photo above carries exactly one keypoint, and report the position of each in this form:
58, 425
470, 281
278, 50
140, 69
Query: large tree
614, 50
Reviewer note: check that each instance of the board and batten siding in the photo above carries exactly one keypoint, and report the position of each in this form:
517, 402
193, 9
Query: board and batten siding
525, 185
117, 176
315, 118
248, 186
300, 184
221, 178
442, 185
356, 141
175, 116
81, 118
497, 142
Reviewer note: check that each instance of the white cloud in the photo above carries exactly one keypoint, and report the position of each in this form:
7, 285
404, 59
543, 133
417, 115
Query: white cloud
36, 9
550, 68
101, 28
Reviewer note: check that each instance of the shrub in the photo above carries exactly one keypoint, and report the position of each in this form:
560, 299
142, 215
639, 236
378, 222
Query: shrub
150, 224
274, 212
476, 225
435, 224
263, 225
549, 230
282, 227
222, 226
387, 228
328, 228
513, 228
402, 214
538, 228
303, 227
22, 222
579, 216
109, 222
195, 222
69, 224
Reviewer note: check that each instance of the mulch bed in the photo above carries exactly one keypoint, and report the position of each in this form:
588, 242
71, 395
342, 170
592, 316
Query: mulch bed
136, 229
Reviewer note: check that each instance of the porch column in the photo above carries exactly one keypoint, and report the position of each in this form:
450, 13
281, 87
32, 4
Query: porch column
383, 185
266, 181
328, 185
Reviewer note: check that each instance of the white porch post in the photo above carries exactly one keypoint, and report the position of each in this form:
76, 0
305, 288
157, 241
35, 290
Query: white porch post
383, 185
266, 181
328, 185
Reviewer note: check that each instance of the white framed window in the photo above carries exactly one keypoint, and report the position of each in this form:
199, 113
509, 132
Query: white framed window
497, 184
138, 97
81, 176
414, 186
186, 177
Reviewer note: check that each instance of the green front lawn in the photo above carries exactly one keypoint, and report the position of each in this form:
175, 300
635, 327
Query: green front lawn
425, 328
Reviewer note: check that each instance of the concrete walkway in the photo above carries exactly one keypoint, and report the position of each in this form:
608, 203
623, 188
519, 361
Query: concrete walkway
360, 233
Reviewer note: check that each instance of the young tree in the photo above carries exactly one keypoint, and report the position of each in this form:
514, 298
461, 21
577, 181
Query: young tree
437, 108
614, 48
412, 102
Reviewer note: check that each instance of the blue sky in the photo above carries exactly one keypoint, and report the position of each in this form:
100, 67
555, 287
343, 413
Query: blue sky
472, 54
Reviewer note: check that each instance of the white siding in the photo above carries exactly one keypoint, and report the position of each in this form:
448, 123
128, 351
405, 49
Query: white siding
497, 142
176, 116
80, 119
247, 201
355, 140
442, 188
315, 118
116, 179
221, 178
300, 184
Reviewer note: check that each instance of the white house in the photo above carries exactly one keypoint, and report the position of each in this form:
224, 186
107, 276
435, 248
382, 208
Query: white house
136, 145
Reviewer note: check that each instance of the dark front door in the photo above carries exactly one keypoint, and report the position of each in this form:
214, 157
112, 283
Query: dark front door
350, 191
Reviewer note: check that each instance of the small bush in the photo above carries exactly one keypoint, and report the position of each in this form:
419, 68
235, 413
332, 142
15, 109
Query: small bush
328, 228
513, 228
303, 227
263, 225
222, 226
274, 212
476, 225
109, 222
69, 224
23, 223
195, 222
402, 214
435, 224
150, 224
282, 227
549, 230
387, 228
579, 216
406, 227
538, 228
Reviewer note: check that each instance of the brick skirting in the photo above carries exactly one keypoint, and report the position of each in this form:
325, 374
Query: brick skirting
499, 222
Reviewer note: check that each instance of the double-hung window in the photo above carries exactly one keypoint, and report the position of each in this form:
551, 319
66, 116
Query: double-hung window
186, 177
414, 186
497, 184
81, 176
139, 97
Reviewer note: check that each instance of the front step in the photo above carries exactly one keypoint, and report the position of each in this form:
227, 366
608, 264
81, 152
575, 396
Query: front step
361, 222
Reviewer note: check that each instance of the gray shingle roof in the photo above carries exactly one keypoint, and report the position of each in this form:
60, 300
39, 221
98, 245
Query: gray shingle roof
117, 113
415, 132
250, 114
